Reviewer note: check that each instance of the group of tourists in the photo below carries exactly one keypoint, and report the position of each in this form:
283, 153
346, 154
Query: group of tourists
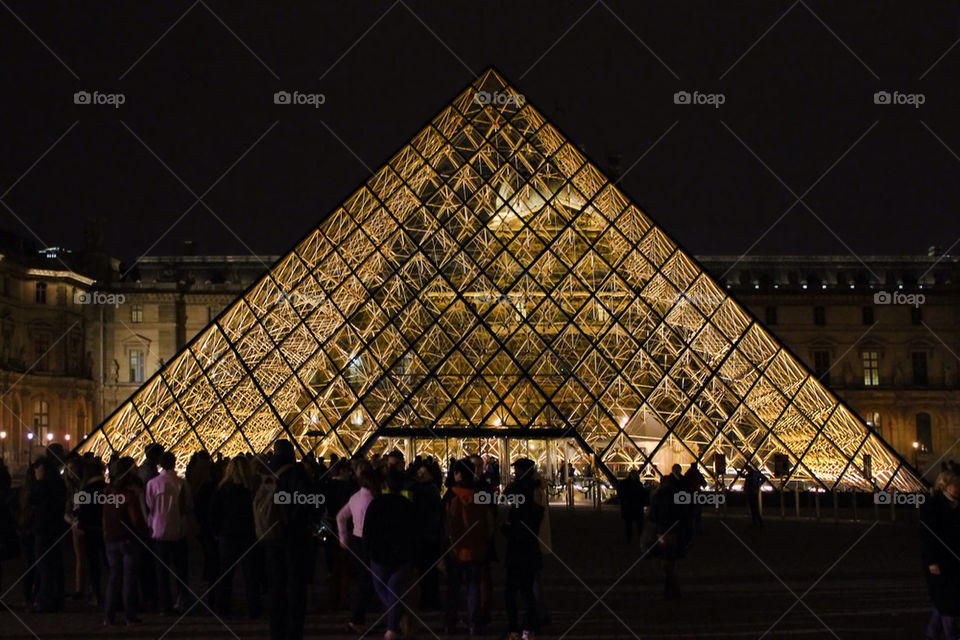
384, 529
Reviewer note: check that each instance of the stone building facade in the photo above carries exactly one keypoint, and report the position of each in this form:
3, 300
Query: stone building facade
884, 333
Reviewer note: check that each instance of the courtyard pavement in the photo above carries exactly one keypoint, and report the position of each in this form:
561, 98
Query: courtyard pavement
792, 579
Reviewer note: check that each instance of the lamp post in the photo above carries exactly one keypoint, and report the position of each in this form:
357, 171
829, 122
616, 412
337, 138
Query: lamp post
916, 454
3, 445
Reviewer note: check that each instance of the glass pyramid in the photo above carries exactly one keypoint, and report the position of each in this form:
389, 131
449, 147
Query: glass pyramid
490, 282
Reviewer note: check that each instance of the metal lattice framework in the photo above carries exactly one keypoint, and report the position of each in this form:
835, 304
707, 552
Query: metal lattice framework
490, 281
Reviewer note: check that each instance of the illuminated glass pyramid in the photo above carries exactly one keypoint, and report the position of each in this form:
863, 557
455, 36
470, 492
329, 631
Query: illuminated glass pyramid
489, 282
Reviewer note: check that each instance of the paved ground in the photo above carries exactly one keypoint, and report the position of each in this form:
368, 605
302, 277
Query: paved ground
793, 579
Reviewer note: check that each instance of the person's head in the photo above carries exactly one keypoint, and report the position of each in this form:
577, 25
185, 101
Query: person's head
524, 468
283, 452
168, 461
56, 454
677, 469
395, 460
237, 472
368, 478
121, 472
634, 474
394, 481
693, 466
463, 473
424, 475
152, 452
477, 463
92, 468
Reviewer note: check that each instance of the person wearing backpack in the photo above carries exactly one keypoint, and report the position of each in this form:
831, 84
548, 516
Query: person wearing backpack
124, 526
288, 539
169, 503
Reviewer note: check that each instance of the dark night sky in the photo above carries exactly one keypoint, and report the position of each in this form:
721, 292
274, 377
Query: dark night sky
799, 99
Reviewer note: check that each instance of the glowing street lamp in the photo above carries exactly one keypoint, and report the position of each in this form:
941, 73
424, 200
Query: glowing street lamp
49, 436
3, 445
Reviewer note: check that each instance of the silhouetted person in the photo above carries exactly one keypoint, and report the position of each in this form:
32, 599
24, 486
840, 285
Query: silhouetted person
429, 511
522, 559
350, 524
124, 528
633, 498
752, 482
288, 545
231, 524
940, 551
695, 482
390, 534
48, 499
667, 517
467, 524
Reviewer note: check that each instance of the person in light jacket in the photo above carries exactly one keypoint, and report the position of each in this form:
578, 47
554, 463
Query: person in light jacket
168, 504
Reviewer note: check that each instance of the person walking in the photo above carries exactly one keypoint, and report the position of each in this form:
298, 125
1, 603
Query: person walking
940, 553
522, 559
390, 534
232, 526
147, 471
169, 503
633, 499
468, 525
350, 526
124, 530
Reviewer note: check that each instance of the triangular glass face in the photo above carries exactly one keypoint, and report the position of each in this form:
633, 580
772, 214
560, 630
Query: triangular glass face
489, 281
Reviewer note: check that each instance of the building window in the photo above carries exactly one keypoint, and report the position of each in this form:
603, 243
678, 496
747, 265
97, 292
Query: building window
871, 368
136, 313
41, 414
819, 316
40, 295
61, 295
136, 365
924, 433
867, 316
919, 362
41, 351
821, 365
916, 315
770, 315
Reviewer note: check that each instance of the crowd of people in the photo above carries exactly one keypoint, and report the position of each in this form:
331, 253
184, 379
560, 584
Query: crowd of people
385, 529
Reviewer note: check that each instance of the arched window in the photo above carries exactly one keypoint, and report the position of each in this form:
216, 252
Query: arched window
924, 433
